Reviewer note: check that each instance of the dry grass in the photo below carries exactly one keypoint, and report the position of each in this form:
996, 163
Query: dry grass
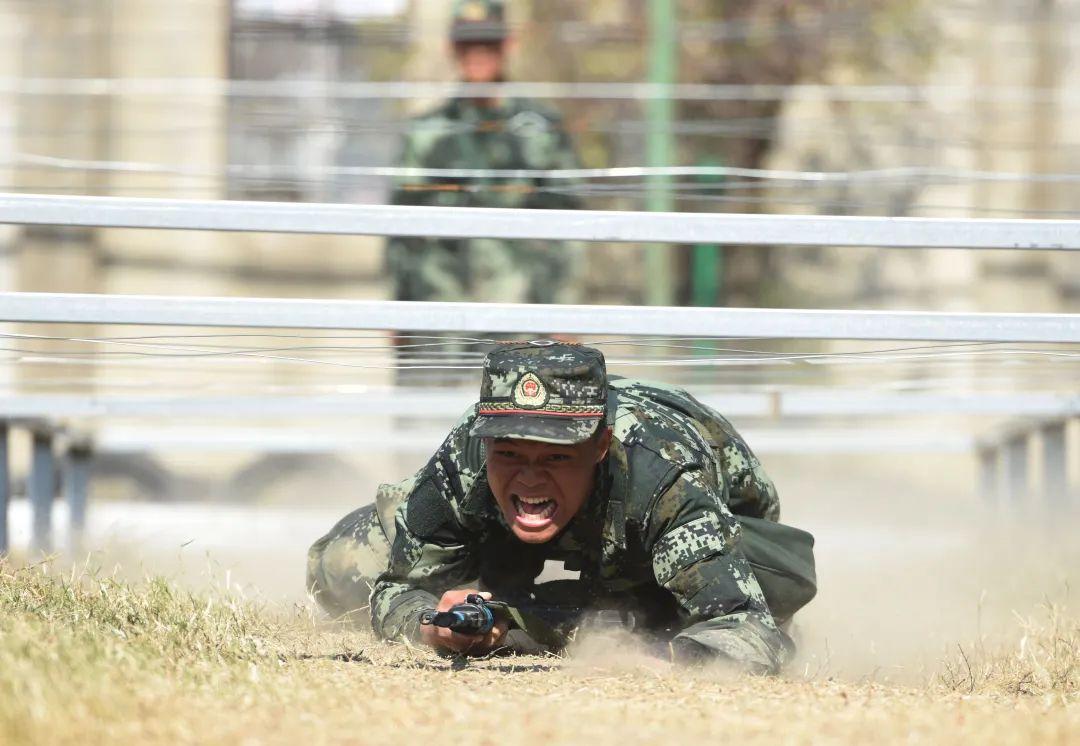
89, 660
1045, 661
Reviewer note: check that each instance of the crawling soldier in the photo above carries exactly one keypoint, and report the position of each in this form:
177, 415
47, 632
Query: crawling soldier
650, 496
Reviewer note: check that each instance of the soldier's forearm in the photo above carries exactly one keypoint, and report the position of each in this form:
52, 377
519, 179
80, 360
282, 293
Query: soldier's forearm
395, 610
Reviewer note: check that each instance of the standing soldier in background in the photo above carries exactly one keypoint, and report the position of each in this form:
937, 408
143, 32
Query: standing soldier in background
487, 134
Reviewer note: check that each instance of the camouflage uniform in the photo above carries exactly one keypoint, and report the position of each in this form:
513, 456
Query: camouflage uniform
656, 540
513, 134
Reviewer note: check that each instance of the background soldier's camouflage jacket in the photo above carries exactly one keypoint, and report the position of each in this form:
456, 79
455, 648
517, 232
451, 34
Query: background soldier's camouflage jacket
514, 134
656, 538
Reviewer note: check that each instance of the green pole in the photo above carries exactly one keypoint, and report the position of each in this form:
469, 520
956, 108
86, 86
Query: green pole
663, 62
707, 263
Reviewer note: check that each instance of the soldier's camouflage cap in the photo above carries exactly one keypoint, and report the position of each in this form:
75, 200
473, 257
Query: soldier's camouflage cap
478, 20
547, 391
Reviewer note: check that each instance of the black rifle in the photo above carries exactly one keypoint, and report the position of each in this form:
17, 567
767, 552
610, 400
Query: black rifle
551, 626
477, 616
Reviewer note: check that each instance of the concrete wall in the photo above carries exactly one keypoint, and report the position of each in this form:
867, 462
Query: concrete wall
141, 39
989, 46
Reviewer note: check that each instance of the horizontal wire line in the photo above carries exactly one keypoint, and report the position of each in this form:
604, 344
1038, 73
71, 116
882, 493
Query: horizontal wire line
655, 343
162, 351
319, 89
856, 176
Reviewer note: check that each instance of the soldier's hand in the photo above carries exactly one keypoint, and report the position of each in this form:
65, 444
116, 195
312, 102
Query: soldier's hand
440, 637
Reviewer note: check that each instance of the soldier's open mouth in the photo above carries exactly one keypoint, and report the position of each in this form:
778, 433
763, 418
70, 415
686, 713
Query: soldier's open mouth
534, 511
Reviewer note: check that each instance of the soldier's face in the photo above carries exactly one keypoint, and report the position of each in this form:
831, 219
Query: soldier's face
480, 62
540, 487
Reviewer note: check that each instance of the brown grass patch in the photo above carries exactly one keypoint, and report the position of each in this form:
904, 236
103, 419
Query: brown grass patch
88, 659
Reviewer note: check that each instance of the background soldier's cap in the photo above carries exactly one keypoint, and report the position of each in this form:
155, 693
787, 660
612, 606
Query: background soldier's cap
546, 391
478, 20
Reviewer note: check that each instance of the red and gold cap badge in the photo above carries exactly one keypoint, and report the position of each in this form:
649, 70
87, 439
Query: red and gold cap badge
530, 392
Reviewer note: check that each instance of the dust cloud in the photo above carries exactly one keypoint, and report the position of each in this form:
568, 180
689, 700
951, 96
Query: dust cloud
911, 563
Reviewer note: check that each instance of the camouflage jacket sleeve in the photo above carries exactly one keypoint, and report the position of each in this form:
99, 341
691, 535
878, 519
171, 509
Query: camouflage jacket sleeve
556, 275
431, 553
408, 258
751, 491
694, 544
558, 194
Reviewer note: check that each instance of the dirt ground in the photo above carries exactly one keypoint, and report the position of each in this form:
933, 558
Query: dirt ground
938, 621
91, 660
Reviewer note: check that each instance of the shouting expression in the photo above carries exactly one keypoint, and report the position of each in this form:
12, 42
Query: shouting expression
540, 487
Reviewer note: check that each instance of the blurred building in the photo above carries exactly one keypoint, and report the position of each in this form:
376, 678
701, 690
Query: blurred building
1000, 99
195, 140
157, 139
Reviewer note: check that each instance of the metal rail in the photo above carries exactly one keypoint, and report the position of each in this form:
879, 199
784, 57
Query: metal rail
764, 441
417, 403
556, 225
262, 313
899, 174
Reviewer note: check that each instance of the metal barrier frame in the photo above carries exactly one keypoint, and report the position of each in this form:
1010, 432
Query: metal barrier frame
553, 225
762, 323
1007, 454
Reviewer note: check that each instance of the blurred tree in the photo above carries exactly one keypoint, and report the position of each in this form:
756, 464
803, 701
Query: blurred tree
722, 42
780, 43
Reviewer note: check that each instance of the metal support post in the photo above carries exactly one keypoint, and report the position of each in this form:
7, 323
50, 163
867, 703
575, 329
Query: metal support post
5, 489
1015, 453
77, 490
42, 489
663, 65
707, 267
988, 474
1055, 473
